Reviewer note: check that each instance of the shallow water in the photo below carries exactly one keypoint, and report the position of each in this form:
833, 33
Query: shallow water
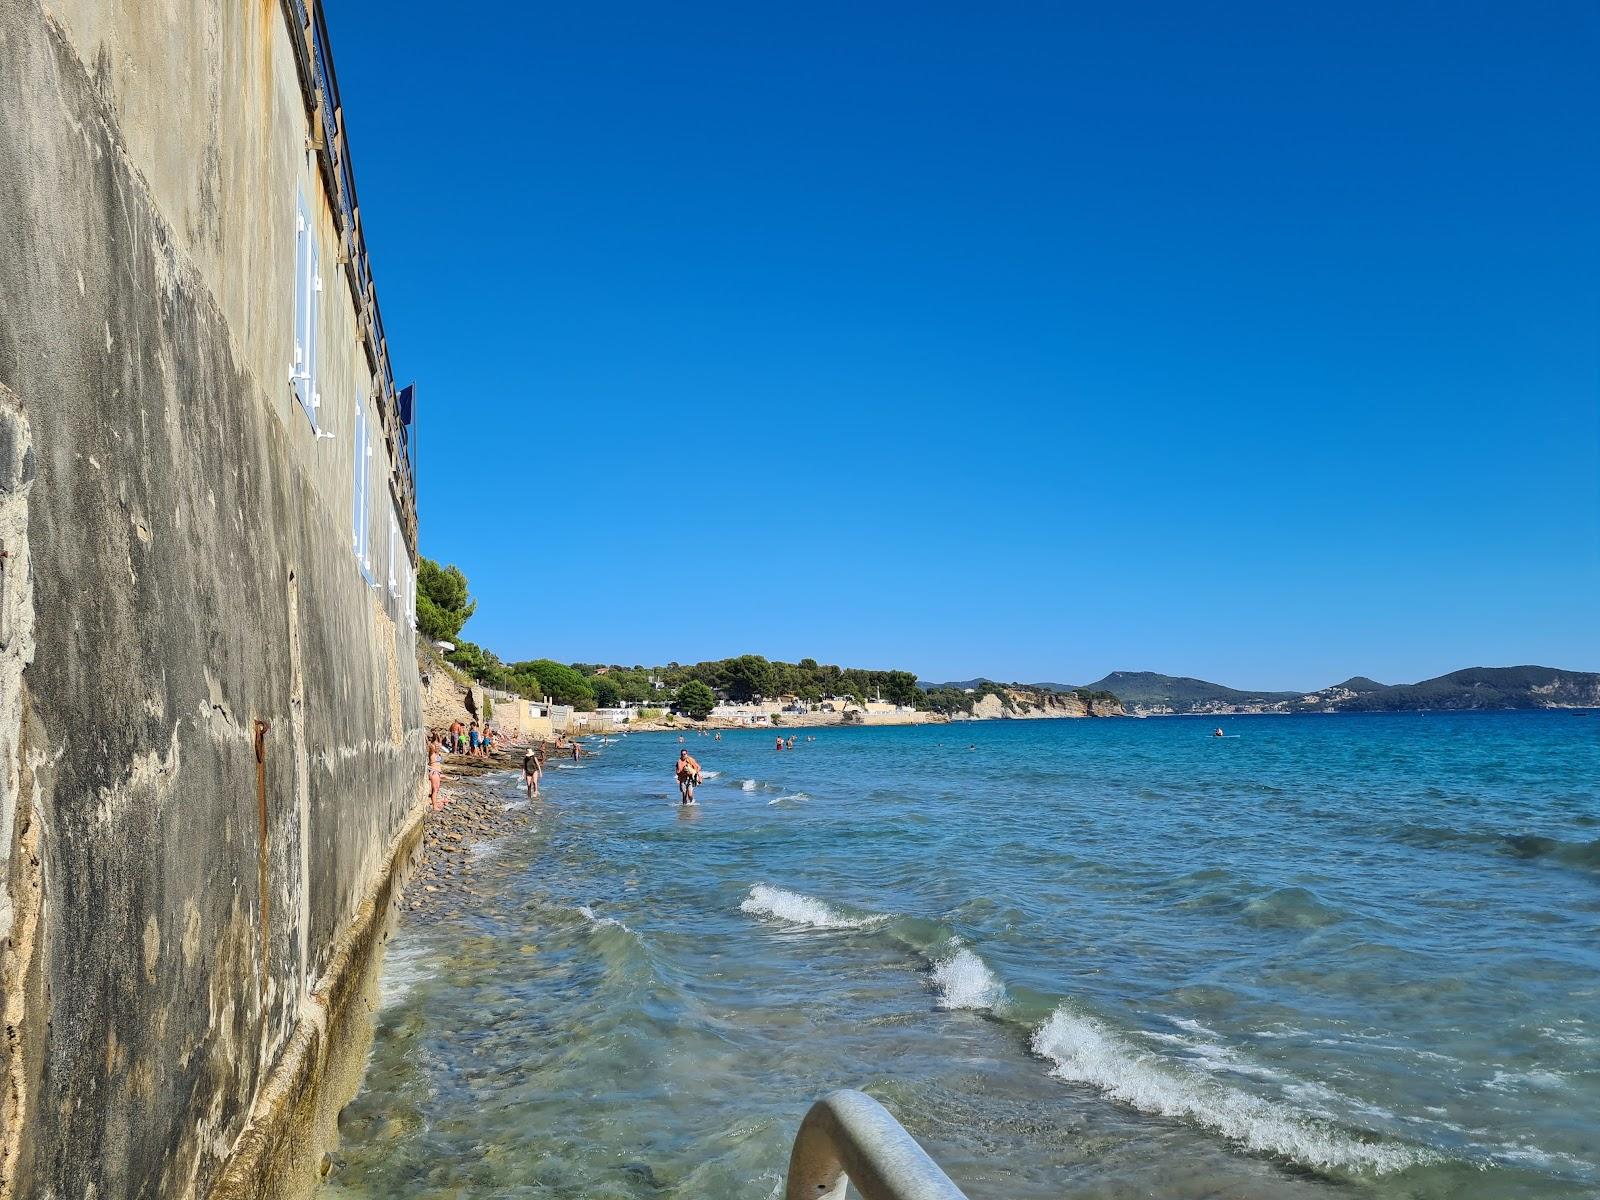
1080, 958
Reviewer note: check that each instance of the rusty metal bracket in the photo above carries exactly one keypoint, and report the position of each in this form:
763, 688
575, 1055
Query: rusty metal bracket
263, 886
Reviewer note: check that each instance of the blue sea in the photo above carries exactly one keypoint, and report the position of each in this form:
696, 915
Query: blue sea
1092, 958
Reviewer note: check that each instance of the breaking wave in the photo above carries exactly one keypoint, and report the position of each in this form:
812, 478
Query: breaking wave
795, 908
963, 980
594, 918
1085, 1051
403, 969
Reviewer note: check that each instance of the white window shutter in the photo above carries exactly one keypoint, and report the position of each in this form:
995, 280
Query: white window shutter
313, 313
358, 438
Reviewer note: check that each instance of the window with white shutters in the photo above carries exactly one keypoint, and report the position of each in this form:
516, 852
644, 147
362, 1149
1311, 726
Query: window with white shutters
366, 507
307, 311
394, 556
358, 480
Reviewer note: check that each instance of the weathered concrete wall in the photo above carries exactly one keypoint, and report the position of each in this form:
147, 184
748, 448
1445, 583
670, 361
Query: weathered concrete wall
177, 586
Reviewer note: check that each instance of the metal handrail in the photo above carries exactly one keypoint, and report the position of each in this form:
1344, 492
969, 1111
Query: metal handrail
849, 1138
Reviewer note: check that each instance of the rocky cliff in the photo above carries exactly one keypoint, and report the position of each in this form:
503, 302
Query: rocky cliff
1027, 704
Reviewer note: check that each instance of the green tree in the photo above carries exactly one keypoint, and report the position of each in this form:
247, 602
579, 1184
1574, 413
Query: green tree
901, 688
443, 605
560, 682
695, 700
635, 688
483, 665
747, 677
606, 693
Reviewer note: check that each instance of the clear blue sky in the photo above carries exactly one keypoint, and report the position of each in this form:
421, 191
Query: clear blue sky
1256, 342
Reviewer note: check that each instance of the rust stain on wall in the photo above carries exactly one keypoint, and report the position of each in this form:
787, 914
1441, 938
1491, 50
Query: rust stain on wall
264, 884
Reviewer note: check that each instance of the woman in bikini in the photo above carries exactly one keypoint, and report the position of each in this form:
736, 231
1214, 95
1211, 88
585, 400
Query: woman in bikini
435, 771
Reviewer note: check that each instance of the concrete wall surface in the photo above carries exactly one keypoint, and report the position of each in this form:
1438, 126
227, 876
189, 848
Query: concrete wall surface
210, 722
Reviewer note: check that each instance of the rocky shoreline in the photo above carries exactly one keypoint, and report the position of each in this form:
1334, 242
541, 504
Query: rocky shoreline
476, 811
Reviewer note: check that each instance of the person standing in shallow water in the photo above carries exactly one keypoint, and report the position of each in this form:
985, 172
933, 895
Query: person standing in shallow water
688, 776
530, 771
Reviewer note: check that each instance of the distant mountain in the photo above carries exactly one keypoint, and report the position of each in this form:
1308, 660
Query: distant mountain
1178, 693
1473, 688
1360, 683
1146, 693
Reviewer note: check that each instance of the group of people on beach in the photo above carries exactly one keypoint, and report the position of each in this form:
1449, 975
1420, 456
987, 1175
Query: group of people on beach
466, 739
458, 739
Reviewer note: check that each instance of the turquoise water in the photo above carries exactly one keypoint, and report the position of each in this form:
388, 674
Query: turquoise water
1076, 958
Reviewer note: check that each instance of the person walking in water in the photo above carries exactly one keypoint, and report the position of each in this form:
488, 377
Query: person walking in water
688, 776
530, 771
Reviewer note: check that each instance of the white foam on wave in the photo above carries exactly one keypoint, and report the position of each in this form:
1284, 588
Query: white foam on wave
709, 774
748, 785
963, 980
594, 919
790, 796
1566, 1037
402, 970
1204, 1047
481, 851
1085, 1051
796, 908
1538, 1081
